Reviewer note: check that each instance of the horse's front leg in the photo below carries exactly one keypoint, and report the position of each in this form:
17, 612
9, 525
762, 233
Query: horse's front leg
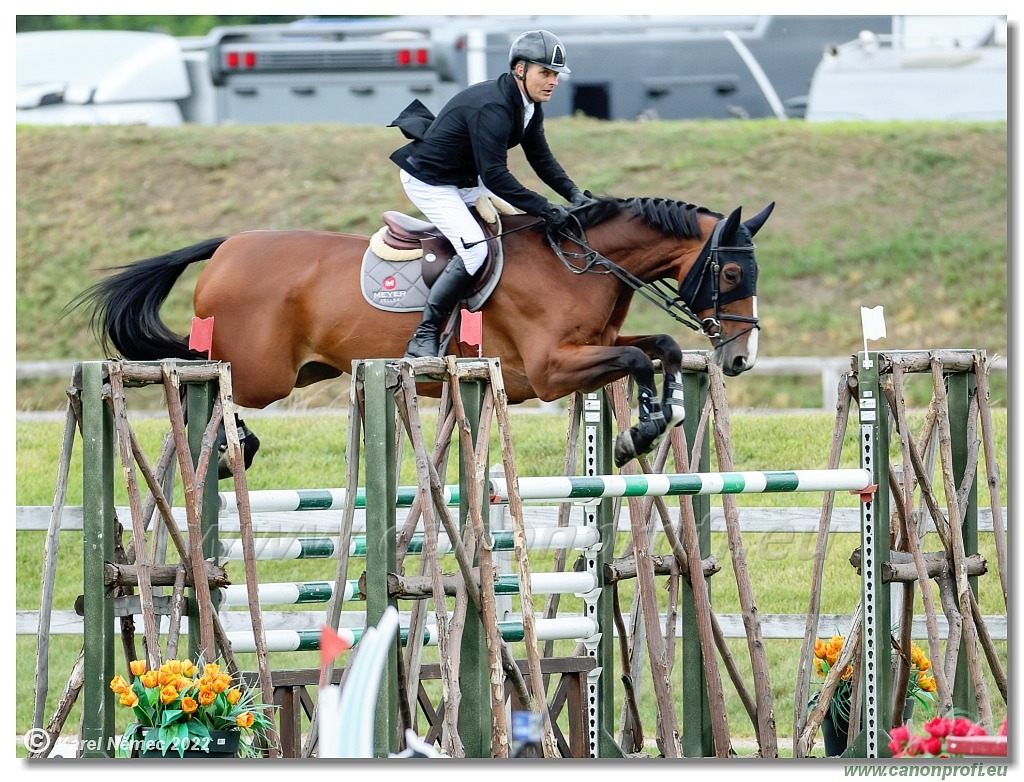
665, 349
589, 367
642, 437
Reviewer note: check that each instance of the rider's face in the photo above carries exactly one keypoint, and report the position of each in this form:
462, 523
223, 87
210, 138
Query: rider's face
538, 82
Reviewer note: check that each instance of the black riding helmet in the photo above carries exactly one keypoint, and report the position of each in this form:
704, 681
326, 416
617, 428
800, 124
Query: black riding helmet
541, 47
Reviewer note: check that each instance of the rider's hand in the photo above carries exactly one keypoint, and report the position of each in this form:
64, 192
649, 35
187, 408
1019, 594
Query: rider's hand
556, 216
581, 199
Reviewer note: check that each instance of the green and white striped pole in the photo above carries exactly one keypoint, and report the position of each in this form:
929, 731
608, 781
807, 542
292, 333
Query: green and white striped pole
300, 592
573, 488
701, 483
538, 539
284, 500
572, 628
286, 593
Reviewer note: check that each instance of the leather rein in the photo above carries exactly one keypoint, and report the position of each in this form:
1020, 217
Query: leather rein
665, 295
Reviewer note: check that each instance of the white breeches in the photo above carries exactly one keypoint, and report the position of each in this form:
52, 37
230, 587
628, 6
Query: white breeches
447, 207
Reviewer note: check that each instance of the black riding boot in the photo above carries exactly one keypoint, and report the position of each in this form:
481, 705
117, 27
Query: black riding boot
448, 289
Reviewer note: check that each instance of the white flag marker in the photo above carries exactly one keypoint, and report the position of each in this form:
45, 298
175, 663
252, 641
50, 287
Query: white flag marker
872, 321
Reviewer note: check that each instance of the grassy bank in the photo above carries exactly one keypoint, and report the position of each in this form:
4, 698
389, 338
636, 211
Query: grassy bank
911, 216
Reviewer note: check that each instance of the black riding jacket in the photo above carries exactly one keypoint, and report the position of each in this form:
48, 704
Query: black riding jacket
471, 137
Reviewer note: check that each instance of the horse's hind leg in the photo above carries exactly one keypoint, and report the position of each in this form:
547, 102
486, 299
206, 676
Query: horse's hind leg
250, 444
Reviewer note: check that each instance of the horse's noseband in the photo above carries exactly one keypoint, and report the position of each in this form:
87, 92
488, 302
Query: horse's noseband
712, 327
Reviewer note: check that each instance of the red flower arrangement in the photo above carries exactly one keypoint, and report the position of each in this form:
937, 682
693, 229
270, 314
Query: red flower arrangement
933, 743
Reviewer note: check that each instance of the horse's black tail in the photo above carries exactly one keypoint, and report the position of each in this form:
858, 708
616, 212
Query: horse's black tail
126, 305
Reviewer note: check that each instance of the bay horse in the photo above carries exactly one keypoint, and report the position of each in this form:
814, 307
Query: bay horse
289, 310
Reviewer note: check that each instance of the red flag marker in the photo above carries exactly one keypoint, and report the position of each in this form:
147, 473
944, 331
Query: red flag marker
471, 331
201, 336
331, 645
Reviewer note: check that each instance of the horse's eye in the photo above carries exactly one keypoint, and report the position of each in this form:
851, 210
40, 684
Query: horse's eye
731, 275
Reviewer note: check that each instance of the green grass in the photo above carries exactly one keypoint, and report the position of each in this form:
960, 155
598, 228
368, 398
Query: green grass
308, 452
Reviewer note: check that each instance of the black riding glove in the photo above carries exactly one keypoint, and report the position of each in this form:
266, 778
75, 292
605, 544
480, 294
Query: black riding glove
555, 216
581, 198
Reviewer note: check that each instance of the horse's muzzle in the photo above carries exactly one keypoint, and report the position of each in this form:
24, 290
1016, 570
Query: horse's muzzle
732, 365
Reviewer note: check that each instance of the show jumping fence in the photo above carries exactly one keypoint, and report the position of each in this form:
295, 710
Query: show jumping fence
477, 670
829, 370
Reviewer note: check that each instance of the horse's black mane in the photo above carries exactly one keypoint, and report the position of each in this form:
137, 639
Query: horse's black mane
673, 218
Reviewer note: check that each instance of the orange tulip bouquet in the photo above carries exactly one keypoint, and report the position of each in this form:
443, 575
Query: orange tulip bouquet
178, 705
921, 686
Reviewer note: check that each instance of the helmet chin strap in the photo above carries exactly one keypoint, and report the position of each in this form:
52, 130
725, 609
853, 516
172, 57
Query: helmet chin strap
522, 78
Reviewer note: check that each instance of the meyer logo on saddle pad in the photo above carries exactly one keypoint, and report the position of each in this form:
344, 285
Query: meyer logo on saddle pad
398, 286
393, 285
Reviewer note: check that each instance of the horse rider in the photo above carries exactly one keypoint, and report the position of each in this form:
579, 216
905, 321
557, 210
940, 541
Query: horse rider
462, 154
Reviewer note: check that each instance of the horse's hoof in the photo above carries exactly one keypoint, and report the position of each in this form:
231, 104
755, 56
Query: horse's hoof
224, 469
250, 445
624, 449
224, 466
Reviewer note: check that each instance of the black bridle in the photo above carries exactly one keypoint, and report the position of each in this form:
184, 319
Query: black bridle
700, 284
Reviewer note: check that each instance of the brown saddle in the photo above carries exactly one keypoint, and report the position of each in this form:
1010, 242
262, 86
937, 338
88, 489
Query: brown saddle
404, 233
